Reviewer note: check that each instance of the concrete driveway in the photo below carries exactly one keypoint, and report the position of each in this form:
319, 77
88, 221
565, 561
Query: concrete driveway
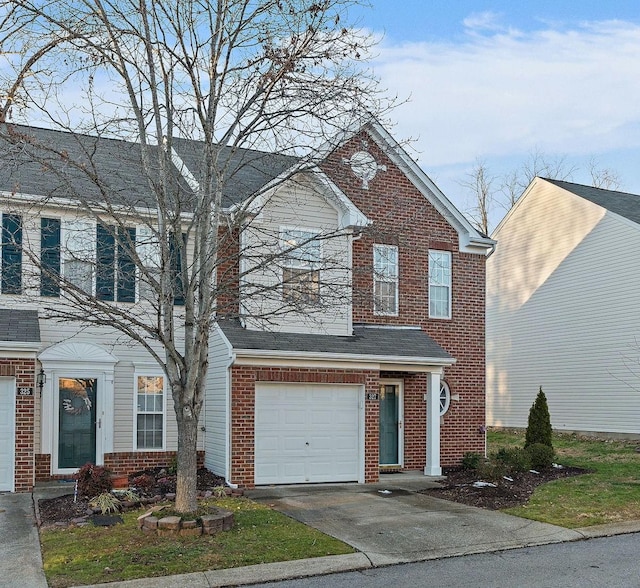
390, 522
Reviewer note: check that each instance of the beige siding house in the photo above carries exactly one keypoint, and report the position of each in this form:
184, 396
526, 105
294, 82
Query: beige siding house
563, 311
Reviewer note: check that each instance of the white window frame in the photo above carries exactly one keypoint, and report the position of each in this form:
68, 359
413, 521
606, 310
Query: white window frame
306, 259
441, 280
386, 275
136, 412
148, 250
445, 397
78, 244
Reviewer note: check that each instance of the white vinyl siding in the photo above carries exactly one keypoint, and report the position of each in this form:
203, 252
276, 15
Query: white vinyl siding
439, 284
563, 314
296, 205
385, 280
216, 410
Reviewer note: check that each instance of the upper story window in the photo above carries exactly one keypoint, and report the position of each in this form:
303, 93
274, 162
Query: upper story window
439, 284
149, 417
385, 280
11, 254
301, 266
79, 249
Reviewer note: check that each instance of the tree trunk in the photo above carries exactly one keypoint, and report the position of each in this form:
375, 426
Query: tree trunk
187, 473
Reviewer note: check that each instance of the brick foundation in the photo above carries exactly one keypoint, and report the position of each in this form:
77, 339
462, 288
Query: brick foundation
23, 370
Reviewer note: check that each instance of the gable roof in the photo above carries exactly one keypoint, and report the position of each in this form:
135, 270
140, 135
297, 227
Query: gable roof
624, 204
19, 326
410, 345
45, 162
248, 170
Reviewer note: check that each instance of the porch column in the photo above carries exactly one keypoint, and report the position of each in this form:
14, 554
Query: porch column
432, 397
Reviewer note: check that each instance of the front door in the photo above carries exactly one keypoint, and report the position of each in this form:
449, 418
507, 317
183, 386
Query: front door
390, 425
76, 422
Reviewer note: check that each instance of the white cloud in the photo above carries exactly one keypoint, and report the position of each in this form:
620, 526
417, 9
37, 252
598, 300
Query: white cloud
573, 91
483, 21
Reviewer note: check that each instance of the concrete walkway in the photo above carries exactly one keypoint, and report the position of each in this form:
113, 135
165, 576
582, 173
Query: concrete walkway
388, 523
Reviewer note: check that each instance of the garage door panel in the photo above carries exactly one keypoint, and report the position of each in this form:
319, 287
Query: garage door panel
7, 434
318, 432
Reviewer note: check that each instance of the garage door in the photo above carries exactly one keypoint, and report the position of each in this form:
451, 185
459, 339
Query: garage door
307, 433
7, 433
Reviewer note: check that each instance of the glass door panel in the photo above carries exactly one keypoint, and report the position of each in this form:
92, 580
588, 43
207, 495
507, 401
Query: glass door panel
76, 422
389, 418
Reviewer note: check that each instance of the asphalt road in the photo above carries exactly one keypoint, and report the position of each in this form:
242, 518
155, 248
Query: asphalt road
609, 562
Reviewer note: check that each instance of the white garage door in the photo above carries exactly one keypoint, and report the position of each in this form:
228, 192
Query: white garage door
307, 433
7, 433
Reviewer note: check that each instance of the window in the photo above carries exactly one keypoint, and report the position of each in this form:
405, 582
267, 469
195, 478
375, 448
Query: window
11, 254
439, 284
385, 279
148, 250
149, 412
300, 272
78, 253
50, 257
115, 269
445, 397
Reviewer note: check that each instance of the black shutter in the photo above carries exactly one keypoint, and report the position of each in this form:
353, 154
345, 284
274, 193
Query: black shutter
176, 268
126, 266
50, 257
11, 254
105, 262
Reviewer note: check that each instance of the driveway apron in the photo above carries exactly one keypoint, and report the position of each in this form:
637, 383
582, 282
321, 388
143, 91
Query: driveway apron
391, 522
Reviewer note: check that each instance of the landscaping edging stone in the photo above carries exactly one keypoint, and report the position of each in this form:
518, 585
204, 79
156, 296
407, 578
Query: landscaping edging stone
217, 520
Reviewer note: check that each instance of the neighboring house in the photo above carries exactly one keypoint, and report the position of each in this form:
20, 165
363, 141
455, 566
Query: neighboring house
390, 377
563, 311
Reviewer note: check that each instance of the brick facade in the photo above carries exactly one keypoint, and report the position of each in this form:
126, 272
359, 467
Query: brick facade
23, 370
402, 216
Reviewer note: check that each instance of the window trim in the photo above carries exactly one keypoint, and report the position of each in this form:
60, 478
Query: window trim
140, 373
444, 387
387, 280
309, 270
448, 285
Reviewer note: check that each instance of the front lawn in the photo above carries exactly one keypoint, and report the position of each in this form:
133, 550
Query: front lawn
91, 555
610, 494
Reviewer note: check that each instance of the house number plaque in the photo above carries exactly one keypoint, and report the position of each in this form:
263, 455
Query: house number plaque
373, 396
25, 391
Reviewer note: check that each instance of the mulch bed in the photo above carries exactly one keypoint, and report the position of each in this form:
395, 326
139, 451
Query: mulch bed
63, 511
458, 487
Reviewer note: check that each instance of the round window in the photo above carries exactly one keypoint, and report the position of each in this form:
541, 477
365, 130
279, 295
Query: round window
445, 397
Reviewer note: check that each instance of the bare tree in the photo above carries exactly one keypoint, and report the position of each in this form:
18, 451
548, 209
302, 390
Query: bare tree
480, 182
605, 178
276, 75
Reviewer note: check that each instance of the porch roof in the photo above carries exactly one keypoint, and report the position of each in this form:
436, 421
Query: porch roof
376, 342
19, 326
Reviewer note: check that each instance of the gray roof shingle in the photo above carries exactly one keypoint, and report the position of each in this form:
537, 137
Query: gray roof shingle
622, 203
411, 343
31, 163
19, 326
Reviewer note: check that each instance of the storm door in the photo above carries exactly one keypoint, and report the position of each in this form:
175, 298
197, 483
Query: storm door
76, 421
390, 425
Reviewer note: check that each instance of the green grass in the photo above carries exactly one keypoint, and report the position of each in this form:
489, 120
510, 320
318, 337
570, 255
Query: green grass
610, 494
91, 555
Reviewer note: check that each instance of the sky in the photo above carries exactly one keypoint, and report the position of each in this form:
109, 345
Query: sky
496, 81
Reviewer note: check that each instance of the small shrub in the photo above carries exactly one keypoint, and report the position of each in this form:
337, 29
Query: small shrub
172, 468
106, 502
515, 459
219, 491
539, 423
492, 470
93, 480
541, 456
143, 482
471, 461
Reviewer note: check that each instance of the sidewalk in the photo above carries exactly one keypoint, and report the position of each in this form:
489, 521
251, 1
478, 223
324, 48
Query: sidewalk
417, 526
